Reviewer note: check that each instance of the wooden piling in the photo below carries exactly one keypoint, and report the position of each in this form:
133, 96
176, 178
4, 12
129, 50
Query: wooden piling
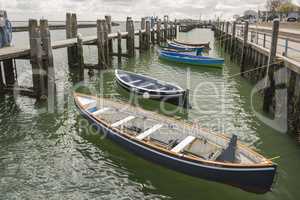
141, 39
130, 37
232, 44
109, 30
9, 72
252, 36
158, 33
147, 42
226, 37
170, 31
47, 75
36, 57
264, 41
80, 58
222, 35
143, 23
244, 47
1, 79
153, 35
153, 32
119, 44
106, 43
232, 48
274, 40
175, 30
100, 44
71, 32
74, 26
68, 25
69, 35
269, 92
127, 30
165, 29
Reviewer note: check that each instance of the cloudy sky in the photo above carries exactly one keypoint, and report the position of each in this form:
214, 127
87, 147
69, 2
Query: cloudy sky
119, 9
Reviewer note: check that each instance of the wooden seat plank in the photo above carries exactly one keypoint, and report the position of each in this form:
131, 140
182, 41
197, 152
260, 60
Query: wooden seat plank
149, 132
118, 123
179, 147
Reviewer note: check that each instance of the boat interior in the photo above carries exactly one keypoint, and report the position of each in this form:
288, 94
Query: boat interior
163, 133
145, 82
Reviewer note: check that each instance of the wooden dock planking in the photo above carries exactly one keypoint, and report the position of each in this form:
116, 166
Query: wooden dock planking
13, 52
16, 52
58, 26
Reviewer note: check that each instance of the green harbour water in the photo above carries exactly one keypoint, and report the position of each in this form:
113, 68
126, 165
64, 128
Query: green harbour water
49, 152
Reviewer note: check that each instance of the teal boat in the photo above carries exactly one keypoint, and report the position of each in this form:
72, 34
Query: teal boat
191, 59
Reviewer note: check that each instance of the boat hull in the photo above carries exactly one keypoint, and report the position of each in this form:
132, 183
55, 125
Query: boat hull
199, 62
178, 99
185, 48
256, 180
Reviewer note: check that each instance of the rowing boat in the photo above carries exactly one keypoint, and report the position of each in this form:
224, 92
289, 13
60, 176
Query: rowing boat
152, 88
174, 45
177, 50
206, 45
191, 59
179, 145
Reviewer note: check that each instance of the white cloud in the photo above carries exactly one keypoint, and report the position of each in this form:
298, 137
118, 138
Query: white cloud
119, 9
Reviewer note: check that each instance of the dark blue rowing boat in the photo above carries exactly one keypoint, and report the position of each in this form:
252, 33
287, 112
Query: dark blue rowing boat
152, 88
186, 58
178, 145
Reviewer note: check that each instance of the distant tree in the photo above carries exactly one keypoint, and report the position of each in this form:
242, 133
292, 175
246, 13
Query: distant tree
273, 5
250, 13
288, 7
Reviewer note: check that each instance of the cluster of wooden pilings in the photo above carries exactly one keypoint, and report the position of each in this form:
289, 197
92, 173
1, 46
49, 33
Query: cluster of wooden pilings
186, 27
277, 76
41, 56
41, 59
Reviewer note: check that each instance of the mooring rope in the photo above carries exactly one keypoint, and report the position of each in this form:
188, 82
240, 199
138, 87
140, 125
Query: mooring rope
254, 69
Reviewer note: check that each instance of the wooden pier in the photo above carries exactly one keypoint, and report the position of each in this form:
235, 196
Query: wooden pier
276, 75
40, 50
83, 24
186, 27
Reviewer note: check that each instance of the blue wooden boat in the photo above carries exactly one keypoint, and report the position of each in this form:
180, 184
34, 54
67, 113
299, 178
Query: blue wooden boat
191, 59
175, 51
179, 145
174, 45
152, 88
192, 52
